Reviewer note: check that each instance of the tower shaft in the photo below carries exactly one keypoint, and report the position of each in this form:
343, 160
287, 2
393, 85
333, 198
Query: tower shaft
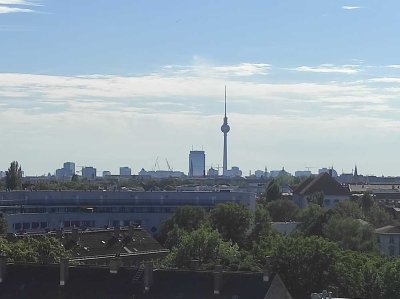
225, 129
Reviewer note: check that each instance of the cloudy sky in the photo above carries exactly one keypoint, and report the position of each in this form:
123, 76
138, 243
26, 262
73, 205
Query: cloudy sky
119, 83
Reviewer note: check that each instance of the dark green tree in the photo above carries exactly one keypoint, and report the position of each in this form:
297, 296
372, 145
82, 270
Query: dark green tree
347, 208
185, 218
350, 233
272, 192
377, 216
316, 198
204, 245
312, 218
3, 224
261, 226
232, 220
283, 210
14, 176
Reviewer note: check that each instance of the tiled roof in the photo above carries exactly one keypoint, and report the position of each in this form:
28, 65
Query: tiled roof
321, 183
109, 242
42, 281
104, 242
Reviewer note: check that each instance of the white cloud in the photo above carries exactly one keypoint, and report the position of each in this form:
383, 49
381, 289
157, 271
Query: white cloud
394, 66
329, 68
350, 7
202, 68
12, 6
127, 119
8, 9
385, 80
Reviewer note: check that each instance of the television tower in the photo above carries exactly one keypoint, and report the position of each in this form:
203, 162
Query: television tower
225, 129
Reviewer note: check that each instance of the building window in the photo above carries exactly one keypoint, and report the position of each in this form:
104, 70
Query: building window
17, 226
35, 225
43, 224
26, 225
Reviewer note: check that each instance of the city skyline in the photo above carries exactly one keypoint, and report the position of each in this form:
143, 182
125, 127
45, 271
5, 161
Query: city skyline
310, 84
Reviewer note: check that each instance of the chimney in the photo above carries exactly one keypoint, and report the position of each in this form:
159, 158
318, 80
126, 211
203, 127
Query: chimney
217, 280
115, 264
148, 275
3, 267
267, 269
64, 271
75, 234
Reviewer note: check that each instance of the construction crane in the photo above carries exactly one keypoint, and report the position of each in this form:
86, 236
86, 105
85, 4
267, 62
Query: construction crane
169, 166
156, 165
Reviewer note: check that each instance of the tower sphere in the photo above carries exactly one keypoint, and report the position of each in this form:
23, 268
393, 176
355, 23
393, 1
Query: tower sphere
225, 128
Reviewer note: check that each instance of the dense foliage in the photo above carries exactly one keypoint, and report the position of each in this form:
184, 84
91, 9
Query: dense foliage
44, 250
333, 249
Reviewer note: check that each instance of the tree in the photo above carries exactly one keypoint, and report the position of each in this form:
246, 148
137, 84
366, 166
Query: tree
3, 224
347, 208
316, 198
261, 225
377, 216
273, 191
283, 210
14, 176
350, 233
185, 218
204, 245
232, 220
312, 218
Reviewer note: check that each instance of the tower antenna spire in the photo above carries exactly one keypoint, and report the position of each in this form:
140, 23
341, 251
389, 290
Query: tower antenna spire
225, 100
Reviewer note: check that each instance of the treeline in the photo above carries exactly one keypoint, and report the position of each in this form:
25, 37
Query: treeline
333, 249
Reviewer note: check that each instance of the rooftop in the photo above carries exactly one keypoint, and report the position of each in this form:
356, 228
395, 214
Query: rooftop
324, 183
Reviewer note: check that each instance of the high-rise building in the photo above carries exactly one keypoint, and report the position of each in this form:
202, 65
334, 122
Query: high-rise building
197, 164
225, 129
69, 168
125, 171
89, 173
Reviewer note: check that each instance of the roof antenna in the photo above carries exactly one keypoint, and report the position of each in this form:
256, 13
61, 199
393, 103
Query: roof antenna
225, 100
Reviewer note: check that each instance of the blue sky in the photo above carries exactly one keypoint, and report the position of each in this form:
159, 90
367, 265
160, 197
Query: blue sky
120, 83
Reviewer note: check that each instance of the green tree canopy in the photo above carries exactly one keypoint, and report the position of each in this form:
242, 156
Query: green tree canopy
350, 233
232, 220
312, 218
283, 210
14, 176
204, 245
185, 218
273, 191
261, 226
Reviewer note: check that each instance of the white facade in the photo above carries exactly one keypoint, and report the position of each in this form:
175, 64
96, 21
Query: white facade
388, 239
197, 164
